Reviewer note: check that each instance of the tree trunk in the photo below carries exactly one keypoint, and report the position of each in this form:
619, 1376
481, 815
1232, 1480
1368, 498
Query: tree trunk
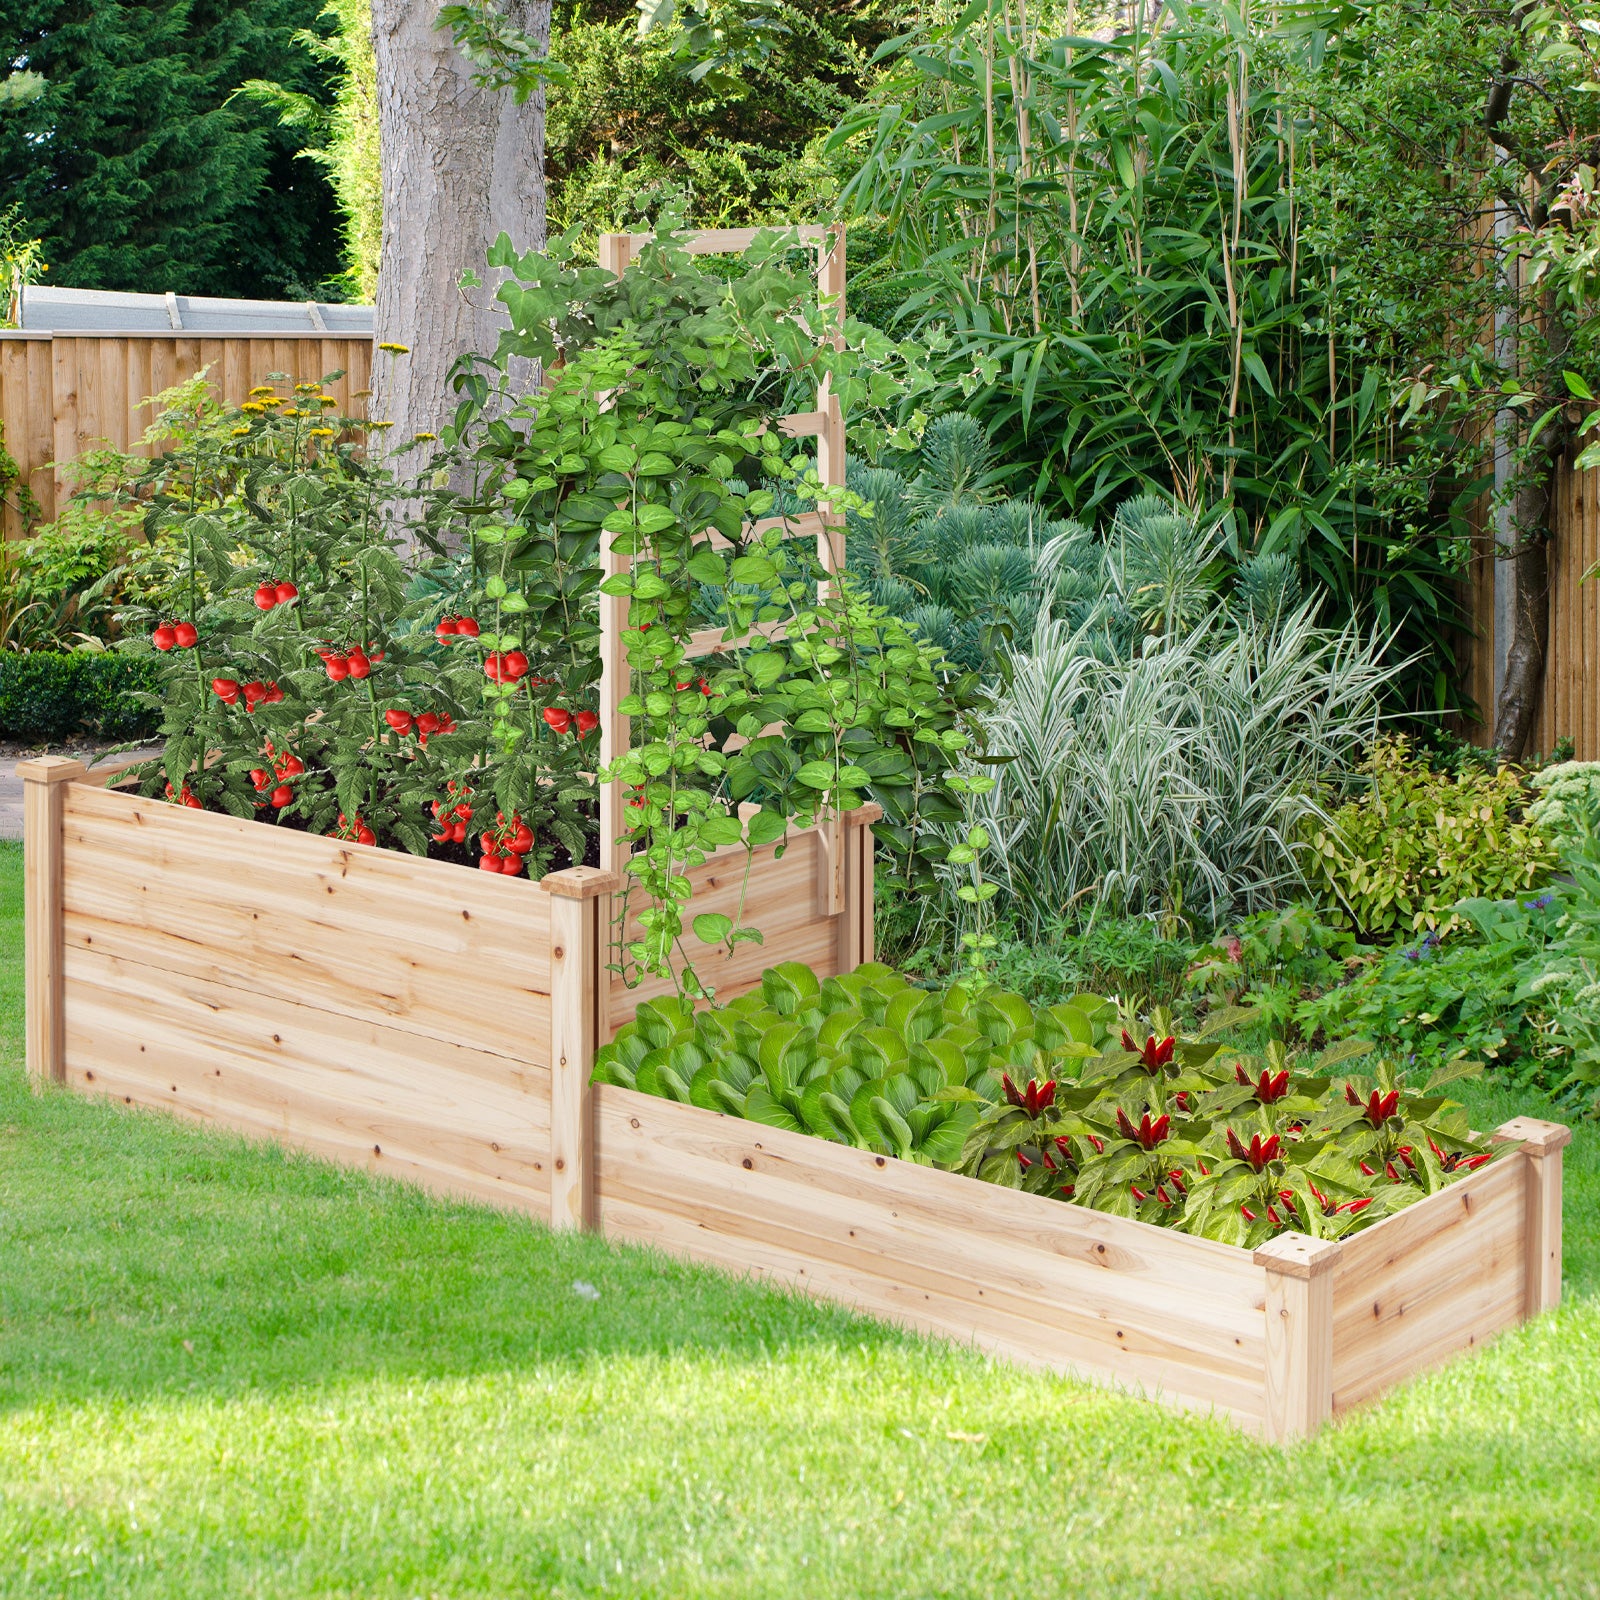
1517, 709
460, 165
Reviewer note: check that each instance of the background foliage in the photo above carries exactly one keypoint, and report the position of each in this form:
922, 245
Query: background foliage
137, 168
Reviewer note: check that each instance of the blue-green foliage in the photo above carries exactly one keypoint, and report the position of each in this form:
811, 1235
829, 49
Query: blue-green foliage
973, 571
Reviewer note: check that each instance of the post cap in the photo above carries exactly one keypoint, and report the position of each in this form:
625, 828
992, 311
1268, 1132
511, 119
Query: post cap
870, 812
1536, 1137
1298, 1255
51, 769
581, 883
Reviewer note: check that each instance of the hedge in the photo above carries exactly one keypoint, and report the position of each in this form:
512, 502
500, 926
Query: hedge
48, 695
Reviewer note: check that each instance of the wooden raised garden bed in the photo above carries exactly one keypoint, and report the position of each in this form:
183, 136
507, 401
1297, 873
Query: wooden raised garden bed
414, 1018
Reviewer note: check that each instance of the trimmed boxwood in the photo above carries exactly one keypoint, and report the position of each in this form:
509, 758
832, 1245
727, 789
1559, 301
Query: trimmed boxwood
48, 695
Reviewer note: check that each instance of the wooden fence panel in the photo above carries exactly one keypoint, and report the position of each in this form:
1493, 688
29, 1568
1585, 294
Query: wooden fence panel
63, 394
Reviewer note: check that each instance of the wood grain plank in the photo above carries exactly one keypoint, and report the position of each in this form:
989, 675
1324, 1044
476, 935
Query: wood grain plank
419, 945
1048, 1282
456, 1120
1439, 1277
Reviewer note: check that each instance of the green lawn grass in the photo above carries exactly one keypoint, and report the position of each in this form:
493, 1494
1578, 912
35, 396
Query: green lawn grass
229, 1372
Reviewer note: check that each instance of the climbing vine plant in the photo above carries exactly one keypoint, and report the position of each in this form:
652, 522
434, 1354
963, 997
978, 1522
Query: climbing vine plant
658, 434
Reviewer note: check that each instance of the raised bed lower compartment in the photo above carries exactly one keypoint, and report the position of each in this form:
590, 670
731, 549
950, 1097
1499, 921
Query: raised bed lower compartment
416, 1019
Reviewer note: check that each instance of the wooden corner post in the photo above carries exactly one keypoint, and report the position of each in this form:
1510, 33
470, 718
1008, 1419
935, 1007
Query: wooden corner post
43, 791
1542, 1144
575, 938
1299, 1334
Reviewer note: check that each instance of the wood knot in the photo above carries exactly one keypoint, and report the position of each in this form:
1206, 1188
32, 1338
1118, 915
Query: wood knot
377, 1149
561, 1163
748, 1164
881, 1161
556, 952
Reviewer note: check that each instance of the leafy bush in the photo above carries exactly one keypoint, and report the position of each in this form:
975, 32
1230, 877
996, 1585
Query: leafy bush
1130, 957
1176, 779
1401, 855
1059, 1101
1514, 981
1130, 304
48, 696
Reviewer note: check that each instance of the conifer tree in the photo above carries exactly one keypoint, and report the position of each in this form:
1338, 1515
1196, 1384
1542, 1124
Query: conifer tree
139, 168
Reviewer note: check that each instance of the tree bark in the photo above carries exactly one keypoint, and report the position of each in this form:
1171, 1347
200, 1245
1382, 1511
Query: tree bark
460, 165
1517, 709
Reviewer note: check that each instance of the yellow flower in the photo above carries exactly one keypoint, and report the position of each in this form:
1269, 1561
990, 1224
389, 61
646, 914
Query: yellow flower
380, 424
327, 399
426, 436
307, 388
291, 412
239, 433
397, 349
320, 433
254, 407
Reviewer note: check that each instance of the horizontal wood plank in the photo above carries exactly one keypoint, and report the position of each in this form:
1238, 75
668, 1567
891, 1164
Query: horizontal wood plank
420, 945
458, 1121
1442, 1276
1011, 1272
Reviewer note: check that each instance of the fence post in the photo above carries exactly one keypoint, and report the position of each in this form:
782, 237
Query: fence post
43, 791
1542, 1144
1299, 1334
856, 940
575, 966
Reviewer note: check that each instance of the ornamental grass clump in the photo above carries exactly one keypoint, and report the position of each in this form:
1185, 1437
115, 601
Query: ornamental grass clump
1077, 1101
1177, 778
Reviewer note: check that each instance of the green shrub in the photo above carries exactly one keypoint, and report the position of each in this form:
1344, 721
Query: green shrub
1400, 856
48, 695
1059, 1101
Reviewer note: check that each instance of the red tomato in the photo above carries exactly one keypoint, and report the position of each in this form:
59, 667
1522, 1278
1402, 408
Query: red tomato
587, 723
286, 592
557, 718
466, 627
274, 695
399, 720
522, 841
458, 832
260, 777
488, 863
427, 723
515, 665
225, 689
365, 835
266, 596
338, 667
359, 665
164, 637
185, 633
291, 766
493, 667
282, 795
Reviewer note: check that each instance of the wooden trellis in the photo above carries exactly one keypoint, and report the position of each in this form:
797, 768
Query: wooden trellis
826, 425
